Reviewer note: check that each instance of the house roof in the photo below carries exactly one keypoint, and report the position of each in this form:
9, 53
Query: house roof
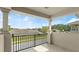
73, 21
25, 32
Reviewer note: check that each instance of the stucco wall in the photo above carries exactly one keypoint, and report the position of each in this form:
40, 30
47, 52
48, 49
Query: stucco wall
1, 43
69, 40
5, 42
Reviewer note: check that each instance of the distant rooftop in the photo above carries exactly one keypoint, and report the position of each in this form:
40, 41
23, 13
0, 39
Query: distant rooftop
74, 21
25, 31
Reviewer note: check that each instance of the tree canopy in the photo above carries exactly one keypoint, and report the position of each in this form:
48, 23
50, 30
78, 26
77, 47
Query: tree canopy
61, 27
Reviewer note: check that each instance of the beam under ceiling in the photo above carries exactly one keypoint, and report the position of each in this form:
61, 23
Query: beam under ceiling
29, 11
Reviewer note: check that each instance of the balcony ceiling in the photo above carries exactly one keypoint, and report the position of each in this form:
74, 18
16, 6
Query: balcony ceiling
56, 11
47, 12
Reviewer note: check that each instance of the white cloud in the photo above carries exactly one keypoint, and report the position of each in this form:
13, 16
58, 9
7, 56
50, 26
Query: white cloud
9, 17
26, 19
44, 24
29, 22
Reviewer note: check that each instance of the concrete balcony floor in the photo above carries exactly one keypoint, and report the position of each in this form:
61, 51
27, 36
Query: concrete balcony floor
46, 48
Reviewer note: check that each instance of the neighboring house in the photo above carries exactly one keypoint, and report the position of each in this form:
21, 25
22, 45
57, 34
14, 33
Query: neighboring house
25, 31
74, 25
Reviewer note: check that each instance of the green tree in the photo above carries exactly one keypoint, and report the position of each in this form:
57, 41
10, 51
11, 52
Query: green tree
44, 29
9, 28
67, 28
61, 27
1, 29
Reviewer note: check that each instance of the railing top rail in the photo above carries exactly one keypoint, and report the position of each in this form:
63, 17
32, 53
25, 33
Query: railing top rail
26, 35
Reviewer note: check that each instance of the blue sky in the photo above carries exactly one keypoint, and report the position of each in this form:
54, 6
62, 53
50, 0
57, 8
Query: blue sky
22, 21
64, 19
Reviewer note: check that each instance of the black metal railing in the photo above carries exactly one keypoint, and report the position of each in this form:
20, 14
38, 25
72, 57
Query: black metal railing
21, 42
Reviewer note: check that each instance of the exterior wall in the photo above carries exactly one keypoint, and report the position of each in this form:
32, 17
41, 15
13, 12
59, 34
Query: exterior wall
5, 45
69, 40
1, 42
7, 42
78, 28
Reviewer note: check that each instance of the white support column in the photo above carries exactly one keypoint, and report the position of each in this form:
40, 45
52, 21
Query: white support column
50, 32
7, 37
78, 28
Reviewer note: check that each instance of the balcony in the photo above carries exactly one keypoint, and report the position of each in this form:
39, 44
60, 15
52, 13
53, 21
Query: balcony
52, 41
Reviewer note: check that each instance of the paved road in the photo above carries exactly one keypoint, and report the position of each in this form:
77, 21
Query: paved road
28, 44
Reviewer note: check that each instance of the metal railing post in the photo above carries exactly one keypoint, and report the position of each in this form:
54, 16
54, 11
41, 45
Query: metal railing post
13, 41
34, 40
18, 42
